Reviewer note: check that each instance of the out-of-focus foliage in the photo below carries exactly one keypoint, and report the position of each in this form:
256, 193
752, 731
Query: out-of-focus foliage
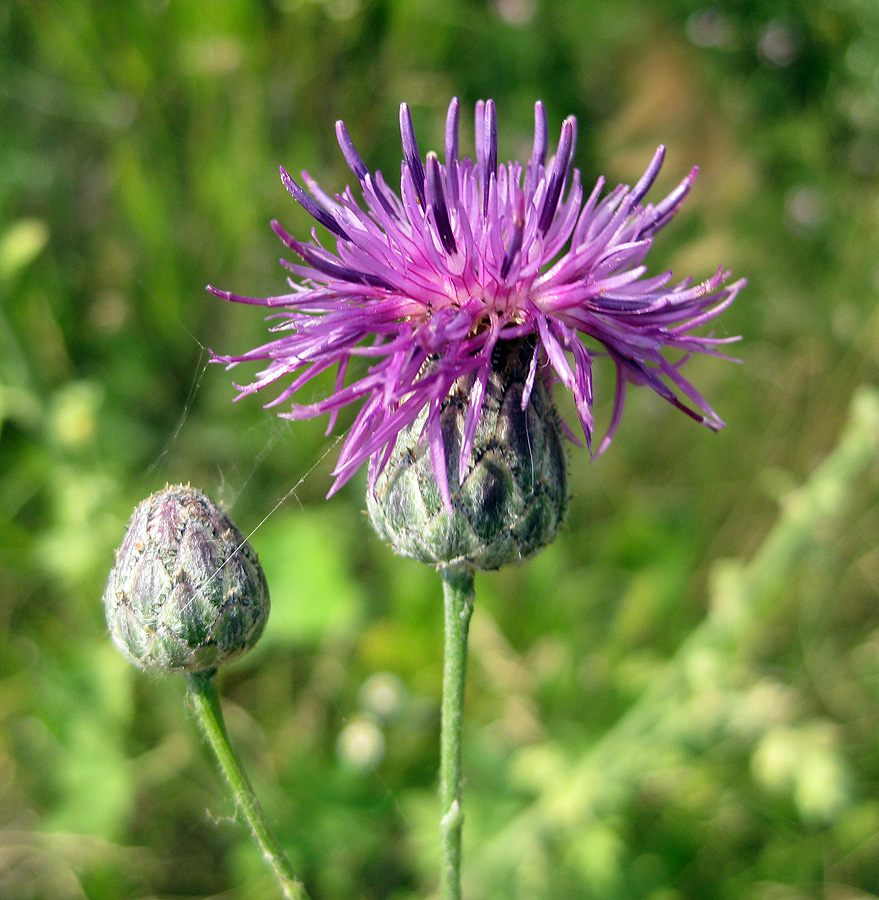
679, 698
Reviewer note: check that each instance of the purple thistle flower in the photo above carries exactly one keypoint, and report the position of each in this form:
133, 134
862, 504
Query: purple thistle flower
425, 283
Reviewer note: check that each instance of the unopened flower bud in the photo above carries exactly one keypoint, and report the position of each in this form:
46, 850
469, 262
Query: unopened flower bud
186, 592
513, 496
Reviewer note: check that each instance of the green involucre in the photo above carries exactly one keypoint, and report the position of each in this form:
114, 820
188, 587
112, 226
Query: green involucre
513, 497
187, 592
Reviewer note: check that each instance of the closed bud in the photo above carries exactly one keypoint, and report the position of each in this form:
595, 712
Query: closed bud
513, 496
187, 592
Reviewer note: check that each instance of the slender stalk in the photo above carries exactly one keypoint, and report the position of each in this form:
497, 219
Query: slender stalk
206, 703
458, 601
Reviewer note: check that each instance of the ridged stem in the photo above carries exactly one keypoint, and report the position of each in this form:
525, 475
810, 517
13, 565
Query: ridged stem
458, 603
206, 703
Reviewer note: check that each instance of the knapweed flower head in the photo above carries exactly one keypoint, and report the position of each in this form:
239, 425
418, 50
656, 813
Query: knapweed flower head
187, 592
428, 283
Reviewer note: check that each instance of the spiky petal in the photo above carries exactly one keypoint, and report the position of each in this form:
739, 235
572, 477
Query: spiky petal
425, 284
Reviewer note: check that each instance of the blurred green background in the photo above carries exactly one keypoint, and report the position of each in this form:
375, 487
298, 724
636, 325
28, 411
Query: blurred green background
678, 699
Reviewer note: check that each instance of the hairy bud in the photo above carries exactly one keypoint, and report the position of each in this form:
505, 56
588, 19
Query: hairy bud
514, 494
187, 592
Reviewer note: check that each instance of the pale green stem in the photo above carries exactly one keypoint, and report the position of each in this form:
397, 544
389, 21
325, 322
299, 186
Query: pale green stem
458, 602
206, 703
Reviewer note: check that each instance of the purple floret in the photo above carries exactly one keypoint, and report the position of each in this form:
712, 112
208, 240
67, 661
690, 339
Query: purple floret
424, 284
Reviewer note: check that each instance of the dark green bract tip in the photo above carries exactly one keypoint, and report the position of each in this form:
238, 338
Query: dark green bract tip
513, 497
187, 592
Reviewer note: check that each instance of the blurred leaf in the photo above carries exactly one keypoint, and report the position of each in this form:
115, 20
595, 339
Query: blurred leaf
91, 768
305, 556
21, 244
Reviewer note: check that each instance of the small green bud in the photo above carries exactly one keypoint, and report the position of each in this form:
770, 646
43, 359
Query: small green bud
513, 497
187, 592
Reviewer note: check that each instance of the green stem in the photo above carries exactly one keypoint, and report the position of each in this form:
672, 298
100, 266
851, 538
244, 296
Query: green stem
458, 600
203, 695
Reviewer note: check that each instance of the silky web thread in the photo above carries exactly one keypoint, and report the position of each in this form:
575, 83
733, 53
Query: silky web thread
197, 378
271, 440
